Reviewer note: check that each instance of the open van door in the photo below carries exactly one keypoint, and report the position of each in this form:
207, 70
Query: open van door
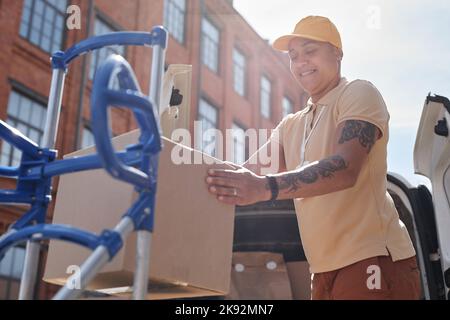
432, 160
415, 208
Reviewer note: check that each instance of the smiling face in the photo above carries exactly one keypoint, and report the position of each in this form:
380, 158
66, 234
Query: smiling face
316, 66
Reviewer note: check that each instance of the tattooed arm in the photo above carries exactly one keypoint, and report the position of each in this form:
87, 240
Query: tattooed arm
337, 172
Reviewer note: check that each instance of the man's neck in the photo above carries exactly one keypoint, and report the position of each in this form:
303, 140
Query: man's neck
333, 84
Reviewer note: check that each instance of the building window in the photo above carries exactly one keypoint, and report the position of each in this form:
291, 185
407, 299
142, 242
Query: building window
43, 22
287, 106
210, 45
87, 140
27, 116
98, 56
174, 15
239, 144
10, 273
206, 138
266, 88
239, 65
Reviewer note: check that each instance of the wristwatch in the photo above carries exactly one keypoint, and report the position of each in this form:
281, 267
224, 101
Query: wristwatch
273, 184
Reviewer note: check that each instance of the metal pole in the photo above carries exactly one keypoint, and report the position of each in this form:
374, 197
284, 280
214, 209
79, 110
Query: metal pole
92, 265
54, 108
140, 285
156, 77
30, 268
144, 237
88, 271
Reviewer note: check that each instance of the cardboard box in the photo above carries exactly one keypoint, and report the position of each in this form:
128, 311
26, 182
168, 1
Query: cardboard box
191, 247
259, 276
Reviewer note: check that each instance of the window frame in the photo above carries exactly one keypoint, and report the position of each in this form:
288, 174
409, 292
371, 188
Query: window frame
184, 24
238, 126
22, 91
216, 125
261, 90
203, 35
244, 72
29, 27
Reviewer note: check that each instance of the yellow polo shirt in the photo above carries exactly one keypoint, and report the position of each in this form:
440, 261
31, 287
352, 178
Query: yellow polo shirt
344, 227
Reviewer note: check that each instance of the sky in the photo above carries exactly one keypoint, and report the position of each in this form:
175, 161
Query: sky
402, 47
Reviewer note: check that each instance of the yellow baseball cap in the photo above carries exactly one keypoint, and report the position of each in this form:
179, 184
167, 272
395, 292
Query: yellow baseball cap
312, 27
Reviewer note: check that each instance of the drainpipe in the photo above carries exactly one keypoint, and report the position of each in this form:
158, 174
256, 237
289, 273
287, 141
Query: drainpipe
199, 77
83, 81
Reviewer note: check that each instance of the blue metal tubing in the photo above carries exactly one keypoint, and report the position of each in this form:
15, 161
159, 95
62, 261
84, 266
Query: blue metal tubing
129, 95
130, 157
157, 36
143, 111
110, 239
36, 213
102, 97
9, 171
18, 140
13, 196
50, 231
90, 162
141, 212
38, 165
119, 165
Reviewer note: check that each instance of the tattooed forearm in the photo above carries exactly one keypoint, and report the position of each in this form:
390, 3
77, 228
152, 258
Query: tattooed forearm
314, 179
364, 131
323, 169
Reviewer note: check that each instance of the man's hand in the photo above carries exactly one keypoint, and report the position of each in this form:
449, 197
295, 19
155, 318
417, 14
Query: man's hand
239, 186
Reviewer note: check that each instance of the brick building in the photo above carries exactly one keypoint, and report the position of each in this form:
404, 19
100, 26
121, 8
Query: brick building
238, 81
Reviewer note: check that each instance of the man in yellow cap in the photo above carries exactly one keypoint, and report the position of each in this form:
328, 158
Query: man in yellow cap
333, 163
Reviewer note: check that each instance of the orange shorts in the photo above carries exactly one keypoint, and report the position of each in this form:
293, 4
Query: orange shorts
377, 278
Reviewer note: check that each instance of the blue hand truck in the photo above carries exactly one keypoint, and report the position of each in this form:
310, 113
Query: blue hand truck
114, 85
